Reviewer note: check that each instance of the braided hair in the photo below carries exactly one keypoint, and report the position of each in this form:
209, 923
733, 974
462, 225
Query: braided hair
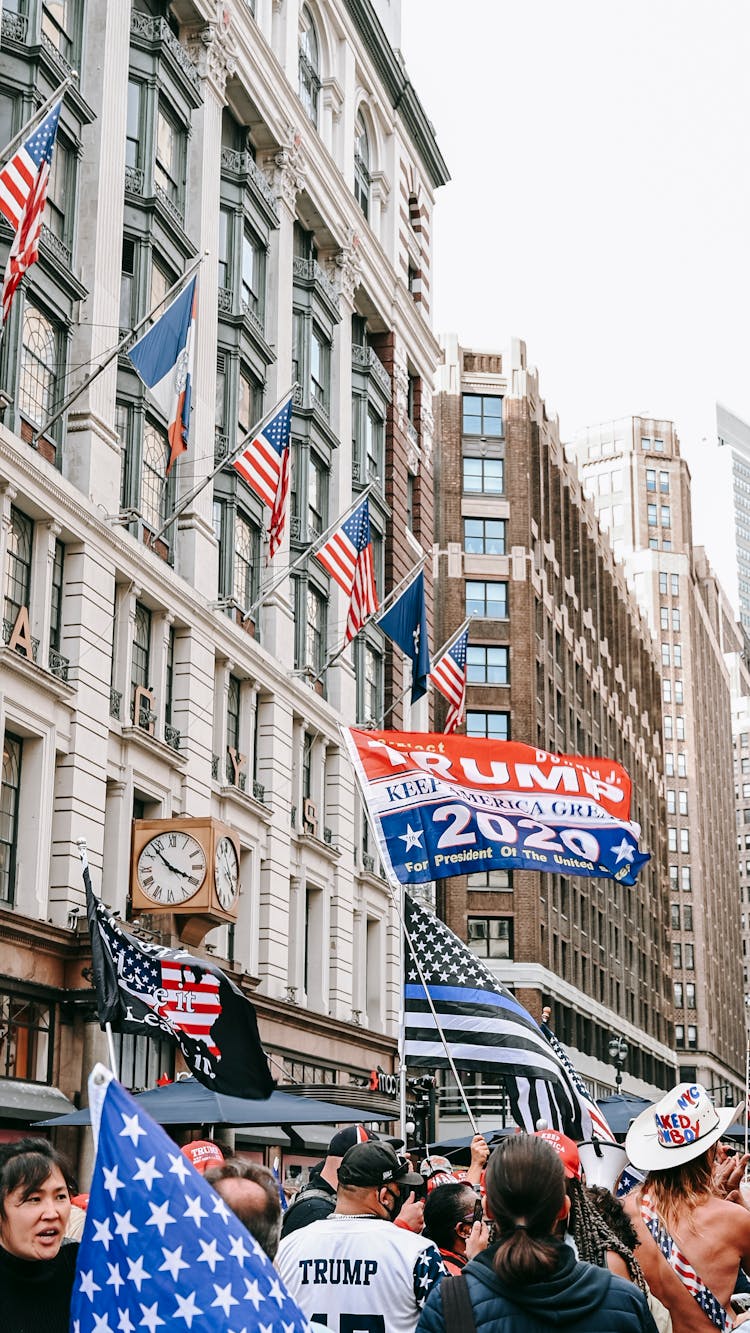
594, 1237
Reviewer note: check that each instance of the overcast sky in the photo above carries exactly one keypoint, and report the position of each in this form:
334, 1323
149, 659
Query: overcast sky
599, 205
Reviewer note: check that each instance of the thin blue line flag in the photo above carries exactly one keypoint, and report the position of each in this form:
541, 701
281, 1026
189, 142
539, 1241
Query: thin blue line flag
406, 623
160, 1248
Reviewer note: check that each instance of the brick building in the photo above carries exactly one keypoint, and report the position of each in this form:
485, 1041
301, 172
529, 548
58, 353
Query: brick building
560, 656
639, 484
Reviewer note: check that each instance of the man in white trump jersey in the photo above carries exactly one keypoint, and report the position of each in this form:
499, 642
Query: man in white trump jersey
354, 1270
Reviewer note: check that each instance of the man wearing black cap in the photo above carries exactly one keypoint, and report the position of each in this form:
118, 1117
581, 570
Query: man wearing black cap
318, 1198
353, 1270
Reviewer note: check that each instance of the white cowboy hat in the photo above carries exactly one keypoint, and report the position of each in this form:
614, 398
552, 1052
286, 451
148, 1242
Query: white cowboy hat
677, 1129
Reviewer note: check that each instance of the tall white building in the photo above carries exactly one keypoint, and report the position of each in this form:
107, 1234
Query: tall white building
286, 145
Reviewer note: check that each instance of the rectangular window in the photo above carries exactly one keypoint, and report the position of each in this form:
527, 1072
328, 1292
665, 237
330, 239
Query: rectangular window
678, 995
677, 956
154, 482
60, 192
682, 765
687, 918
246, 560
664, 617
374, 445
253, 275
41, 367
56, 599
666, 516
678, 655
678, 692
668, 727
372, 685
169, 166
133, 135
650, 479
127, 283
320, 370
483, 415
672, 839
226, 219
493, 726
18, 564
484, 476
664, 483
675, 916
317, 496
682, 802
667, 691
680, 727
669, 763
233, 726
490, 937
663, 584
671, 801
658, 446
665, 654
499, 880
315, 628
689, 957
679, 1034
673, 878
484, 536
487, 666
676, 619
489, 600
690, 994
687, 883
59, 26
692, 1037
140, 669
651, 515
249, 404
10, 791
684, 840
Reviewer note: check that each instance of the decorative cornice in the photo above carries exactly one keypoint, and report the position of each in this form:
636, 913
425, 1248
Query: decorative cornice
348, 265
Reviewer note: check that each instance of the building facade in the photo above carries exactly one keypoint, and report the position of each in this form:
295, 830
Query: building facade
560, 657
639, 485
143, 674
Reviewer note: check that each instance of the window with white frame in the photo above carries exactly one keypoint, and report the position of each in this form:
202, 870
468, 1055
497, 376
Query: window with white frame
309, 65
362, 165
40, 366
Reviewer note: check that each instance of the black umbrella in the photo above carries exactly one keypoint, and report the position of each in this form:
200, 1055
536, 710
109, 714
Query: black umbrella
187, 1102
621, 1109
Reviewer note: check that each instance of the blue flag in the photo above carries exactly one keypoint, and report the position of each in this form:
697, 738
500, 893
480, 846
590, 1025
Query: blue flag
160, 1248
406, 624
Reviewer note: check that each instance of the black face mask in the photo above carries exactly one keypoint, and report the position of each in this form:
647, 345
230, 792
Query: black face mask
396, 1205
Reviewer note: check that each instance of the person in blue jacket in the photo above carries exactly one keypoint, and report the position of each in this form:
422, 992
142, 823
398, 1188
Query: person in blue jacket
530, 1280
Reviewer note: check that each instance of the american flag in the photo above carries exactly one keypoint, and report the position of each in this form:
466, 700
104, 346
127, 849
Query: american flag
485, 1027
23, 194
264, 465
160, 1248
167, 994
347, 555
449, 676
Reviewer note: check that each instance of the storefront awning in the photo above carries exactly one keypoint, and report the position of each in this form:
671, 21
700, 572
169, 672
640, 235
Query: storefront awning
25, 1103
262, 1137
315, 1138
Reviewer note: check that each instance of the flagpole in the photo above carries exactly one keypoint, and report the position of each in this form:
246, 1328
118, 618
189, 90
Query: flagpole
122, 344
38, 115
82, 852
306, 554
224, 462
372, 618
397, 894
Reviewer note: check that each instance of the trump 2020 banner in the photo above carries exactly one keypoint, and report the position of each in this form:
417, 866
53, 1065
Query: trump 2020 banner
453, 805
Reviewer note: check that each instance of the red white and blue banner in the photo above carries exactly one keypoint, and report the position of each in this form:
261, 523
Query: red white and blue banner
454, 805
163, 358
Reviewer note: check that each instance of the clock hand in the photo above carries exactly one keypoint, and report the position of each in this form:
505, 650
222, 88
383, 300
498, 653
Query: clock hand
175, 869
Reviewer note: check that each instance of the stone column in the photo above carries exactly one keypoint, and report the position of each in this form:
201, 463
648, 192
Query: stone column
118, 812
91, 452
222, 673
275, 771
161, 625
285, 170
213, 50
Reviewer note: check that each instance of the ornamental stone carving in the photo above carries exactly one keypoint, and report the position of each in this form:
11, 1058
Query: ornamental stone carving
348, 265
286, 168
427, 433
400, 383
213, 48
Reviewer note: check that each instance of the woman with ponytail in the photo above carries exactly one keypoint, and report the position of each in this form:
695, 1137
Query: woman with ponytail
530, 1281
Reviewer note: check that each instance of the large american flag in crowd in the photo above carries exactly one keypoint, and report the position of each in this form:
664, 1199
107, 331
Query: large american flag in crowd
160, 1248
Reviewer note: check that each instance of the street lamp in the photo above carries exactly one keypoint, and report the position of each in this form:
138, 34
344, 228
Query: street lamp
618, 1055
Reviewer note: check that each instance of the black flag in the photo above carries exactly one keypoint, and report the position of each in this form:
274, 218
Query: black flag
169, 994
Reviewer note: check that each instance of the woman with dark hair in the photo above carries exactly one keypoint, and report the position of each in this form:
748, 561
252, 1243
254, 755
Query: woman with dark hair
37, 1265
530, 1281
453, 1220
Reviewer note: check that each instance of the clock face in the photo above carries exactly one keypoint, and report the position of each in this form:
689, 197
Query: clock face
226, 872
171, 868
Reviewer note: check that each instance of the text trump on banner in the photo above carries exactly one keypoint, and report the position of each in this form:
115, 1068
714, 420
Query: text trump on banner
452, 805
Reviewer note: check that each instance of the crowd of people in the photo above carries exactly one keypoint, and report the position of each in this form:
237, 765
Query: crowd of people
516, 1242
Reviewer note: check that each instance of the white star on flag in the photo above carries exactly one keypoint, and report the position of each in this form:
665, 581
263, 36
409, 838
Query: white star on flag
412, 837
624, 852
197, 1279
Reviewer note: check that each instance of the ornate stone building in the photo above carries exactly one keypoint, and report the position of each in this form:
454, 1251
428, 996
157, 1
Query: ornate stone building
286, 145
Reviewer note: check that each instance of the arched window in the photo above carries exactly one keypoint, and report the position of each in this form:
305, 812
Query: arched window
362, 166
309, 66
38, 365
153, 486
